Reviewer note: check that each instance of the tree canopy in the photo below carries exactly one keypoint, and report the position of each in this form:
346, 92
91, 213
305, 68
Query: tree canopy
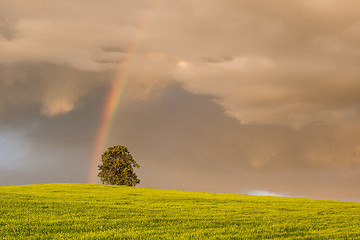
117, 167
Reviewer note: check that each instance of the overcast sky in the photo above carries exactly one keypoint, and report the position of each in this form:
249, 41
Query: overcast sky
235, 96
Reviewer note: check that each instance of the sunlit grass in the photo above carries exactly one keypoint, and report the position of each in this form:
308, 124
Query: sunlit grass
82, 211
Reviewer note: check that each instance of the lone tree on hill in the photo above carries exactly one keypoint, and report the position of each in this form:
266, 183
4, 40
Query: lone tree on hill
118, 167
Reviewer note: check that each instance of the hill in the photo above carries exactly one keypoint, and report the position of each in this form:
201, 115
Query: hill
84, 211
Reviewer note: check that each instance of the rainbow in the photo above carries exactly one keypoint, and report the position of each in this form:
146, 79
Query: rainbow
116, 96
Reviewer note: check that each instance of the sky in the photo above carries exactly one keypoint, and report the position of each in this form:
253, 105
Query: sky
233, 96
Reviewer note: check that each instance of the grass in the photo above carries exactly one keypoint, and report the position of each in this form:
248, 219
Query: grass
83, 211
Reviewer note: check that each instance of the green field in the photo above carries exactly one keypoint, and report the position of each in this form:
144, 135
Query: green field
83, 211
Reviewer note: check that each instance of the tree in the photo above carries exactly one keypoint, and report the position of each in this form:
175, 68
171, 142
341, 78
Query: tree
118, 167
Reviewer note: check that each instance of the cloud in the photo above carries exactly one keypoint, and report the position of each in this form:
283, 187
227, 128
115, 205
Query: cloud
297, 66
52, 89
222, 95
260, 90
6, 30
265, 193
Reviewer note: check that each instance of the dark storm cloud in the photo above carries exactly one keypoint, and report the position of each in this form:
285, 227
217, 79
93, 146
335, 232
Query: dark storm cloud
47, 88
195, 126
187, 142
